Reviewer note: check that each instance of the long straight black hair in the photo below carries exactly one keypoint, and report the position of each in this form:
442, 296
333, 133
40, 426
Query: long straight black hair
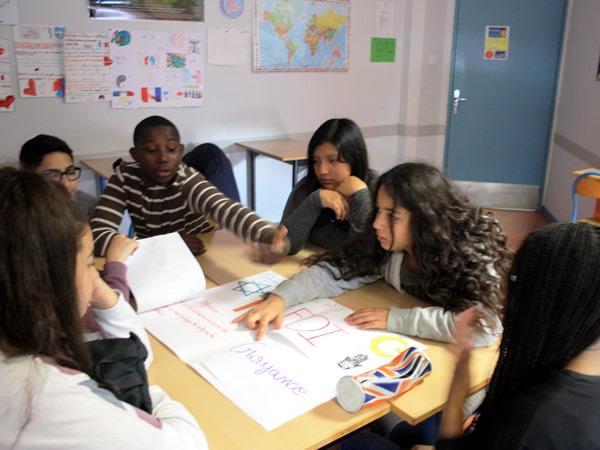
552, 312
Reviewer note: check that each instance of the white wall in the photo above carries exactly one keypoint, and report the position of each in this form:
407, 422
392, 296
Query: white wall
407, 97
576, 137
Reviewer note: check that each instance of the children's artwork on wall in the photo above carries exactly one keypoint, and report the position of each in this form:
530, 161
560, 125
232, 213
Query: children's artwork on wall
287, 373
189, 10
155, 69
87, 67
40, 60
7, 96
232, 8
301, 35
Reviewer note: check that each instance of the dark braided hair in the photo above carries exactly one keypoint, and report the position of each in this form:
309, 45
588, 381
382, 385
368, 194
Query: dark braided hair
552, 311
454, 244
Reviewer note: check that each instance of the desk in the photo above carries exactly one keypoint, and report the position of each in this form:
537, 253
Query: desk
286, 150
221, 263
103, 168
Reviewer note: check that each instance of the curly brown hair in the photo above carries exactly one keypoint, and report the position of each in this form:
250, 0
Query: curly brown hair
460, 251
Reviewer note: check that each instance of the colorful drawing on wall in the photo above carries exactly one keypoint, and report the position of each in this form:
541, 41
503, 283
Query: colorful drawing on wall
232, 8
7, 97
189, 10
40, 60
153, 69
301, 35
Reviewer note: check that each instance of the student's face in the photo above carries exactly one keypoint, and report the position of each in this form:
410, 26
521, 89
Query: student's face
159, 154
392, 226
57, 164
329, 170
85, 272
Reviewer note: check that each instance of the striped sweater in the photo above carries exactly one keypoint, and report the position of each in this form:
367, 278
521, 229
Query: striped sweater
190, 204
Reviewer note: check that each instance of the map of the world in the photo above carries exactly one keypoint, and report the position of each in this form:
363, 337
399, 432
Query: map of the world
301, 35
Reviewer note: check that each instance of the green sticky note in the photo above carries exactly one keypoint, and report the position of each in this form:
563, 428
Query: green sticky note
383, 49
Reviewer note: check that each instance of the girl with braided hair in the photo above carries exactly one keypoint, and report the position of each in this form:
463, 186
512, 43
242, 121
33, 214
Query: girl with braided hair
545, 390
425, 240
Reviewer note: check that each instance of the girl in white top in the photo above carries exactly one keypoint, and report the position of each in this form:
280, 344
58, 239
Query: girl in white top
47, 282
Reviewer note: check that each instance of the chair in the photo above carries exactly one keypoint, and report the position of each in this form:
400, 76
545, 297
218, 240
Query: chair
586, 183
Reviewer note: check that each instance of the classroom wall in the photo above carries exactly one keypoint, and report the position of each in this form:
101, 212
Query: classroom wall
576, 134
401, 106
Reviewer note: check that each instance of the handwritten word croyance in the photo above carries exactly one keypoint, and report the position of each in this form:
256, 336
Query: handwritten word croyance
267, 368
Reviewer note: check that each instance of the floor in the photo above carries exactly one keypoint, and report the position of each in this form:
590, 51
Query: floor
518, 224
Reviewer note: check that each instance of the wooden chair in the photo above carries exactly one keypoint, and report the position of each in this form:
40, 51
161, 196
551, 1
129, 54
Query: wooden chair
586, 183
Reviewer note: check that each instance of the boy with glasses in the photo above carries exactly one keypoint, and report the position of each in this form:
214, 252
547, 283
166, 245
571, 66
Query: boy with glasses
52, 157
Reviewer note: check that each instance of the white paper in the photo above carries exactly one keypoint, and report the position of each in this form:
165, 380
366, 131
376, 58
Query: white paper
40, 65
9, 12
384, 18
86, 67
228, 47
290, 371
156, 69
163, 271
7, 93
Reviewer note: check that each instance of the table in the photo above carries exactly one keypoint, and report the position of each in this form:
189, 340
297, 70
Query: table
103, 168
287, 150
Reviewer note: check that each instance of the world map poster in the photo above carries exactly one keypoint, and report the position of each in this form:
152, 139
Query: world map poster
301, 35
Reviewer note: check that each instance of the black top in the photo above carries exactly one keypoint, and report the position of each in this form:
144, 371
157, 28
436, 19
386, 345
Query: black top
560, 412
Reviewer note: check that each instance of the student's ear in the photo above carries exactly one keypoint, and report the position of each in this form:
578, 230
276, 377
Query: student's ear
133, 153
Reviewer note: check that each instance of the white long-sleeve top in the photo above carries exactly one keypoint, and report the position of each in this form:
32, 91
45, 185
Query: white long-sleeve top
47, 406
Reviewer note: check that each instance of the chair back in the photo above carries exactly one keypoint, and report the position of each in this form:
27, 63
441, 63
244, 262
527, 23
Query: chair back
586, 184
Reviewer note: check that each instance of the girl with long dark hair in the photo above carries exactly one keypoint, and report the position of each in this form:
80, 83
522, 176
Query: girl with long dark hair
332, 204
425, 240
47, 283
545, 390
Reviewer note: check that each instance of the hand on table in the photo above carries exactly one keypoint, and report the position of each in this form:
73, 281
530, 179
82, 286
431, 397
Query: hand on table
194, 243
259, 317
120, 248
368, 318
336, 202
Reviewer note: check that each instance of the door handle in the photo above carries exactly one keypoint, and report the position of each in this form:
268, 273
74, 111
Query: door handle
456, 98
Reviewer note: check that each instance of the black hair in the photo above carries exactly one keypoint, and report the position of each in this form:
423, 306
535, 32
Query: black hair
347, 138
151, 122
552, 312
460, 252
33, 151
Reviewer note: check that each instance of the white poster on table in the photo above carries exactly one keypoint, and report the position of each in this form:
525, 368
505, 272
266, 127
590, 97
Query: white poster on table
40, 60
156, 69
291, 370
86, 67
7, 93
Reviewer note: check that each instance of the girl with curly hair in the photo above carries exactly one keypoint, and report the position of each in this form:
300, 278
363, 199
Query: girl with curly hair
426, 240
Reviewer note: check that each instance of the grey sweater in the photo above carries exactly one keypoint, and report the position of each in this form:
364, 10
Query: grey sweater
432, 322
307, 220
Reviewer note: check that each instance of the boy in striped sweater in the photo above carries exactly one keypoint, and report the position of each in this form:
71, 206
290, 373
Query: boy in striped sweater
163, 195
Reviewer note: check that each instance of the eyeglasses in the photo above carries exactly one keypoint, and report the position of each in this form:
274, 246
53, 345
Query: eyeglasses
72, 173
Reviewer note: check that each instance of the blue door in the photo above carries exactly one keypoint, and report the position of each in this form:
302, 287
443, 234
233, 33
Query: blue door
500, 120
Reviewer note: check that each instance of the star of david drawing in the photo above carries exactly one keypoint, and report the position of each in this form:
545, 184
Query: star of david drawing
251, 287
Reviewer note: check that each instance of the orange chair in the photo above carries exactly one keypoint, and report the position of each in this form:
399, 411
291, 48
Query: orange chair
587, 183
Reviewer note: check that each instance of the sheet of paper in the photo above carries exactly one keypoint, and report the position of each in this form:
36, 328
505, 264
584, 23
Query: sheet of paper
163, 271
384, 18
86, 67
9, 12
228, 47
40, 62
156, 69
290, 371
7, 93
383, 49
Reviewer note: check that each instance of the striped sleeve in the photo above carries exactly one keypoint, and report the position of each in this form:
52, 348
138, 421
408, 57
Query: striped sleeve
108, 214
205, 199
